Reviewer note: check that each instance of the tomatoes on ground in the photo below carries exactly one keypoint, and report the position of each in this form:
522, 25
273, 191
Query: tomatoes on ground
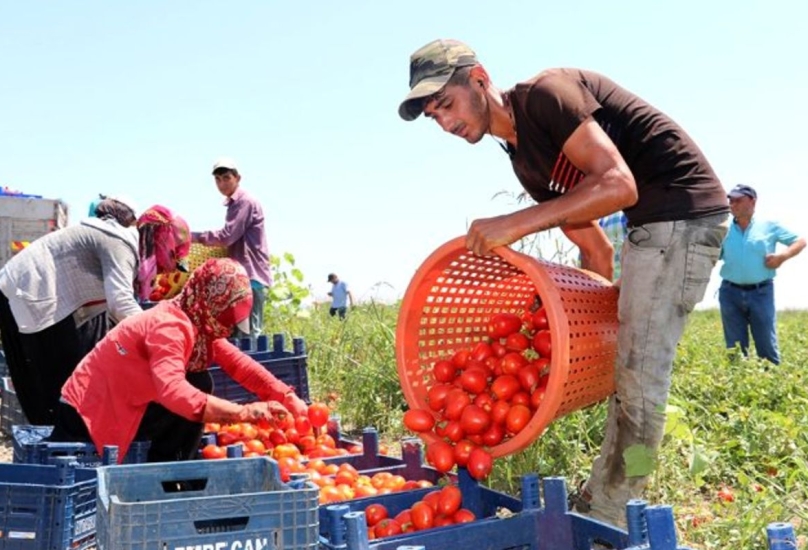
503, 324
419, 420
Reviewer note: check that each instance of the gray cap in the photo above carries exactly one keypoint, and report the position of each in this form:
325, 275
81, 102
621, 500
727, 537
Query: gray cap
742, 191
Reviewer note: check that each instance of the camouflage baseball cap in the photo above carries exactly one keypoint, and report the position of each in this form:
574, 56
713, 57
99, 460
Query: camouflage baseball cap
431, 67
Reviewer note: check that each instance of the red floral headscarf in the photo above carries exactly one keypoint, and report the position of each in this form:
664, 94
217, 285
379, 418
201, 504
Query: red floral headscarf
165, 242
216, 297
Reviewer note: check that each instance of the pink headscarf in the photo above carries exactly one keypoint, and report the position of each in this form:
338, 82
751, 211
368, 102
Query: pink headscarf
165, 241
216, 297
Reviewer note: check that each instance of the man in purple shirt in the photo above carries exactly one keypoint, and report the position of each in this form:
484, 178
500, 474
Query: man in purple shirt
244, 236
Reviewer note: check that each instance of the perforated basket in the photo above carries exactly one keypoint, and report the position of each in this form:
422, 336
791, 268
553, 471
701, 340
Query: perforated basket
451, 298
174, 281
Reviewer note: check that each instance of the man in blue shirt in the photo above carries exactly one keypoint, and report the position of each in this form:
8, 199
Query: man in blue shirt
340, 295
746, 296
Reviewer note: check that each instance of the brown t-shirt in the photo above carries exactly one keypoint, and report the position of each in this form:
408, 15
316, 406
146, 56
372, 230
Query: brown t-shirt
674, 179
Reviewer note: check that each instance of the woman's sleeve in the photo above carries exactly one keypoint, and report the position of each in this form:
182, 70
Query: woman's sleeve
168, 346
248, 372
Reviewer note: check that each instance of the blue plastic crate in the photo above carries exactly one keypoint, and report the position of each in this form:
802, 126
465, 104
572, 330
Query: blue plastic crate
10, 409
551, 527
290, 367
30, 447
342, 526
47, 507
204, 504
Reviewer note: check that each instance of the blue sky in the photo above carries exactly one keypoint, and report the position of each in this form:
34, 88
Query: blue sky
141, 97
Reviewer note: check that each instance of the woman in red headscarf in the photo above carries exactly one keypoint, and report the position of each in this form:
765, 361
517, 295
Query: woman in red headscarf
143, 380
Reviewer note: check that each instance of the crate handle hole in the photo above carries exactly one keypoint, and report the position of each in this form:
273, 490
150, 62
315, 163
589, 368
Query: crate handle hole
223, 525
184, 485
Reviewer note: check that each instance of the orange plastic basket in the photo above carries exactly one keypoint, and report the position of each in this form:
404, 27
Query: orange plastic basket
453, 295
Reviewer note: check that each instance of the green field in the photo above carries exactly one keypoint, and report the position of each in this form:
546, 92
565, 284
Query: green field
733, 422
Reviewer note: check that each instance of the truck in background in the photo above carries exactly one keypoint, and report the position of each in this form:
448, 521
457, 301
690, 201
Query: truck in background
25, 218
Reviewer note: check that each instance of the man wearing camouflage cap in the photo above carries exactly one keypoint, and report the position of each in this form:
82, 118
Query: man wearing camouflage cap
583, 147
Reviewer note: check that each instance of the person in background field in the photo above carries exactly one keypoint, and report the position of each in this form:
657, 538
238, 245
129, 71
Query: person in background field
59, 297
244, 236
583, 147
148, 378
340, 296
746, 295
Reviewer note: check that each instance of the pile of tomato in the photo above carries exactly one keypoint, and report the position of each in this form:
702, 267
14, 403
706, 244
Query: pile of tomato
299, 444
484, 395
437, 509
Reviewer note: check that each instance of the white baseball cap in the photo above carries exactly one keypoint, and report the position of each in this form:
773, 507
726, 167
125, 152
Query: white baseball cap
224, 162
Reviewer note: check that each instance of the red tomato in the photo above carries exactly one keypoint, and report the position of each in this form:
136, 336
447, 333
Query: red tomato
474, 420
292, 436
517, 342
504, 387
517, 418
212, 451
444, 371
442, 521
456, 401
725, 494
540, 321
537, 397
436, 396
541, 343
441, 455
528, 377
277, 437
432, 499
387, 528
480, 464
512, 362
453, 431
482, 351
256, 446
499, 411
499, 349
474, 380
460, 358
375, 513
493, 435
303, 425
462, 450
503, 324
318, 414
464, 516
521, 398
450, 500
423, 516
484, 401
419, 420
